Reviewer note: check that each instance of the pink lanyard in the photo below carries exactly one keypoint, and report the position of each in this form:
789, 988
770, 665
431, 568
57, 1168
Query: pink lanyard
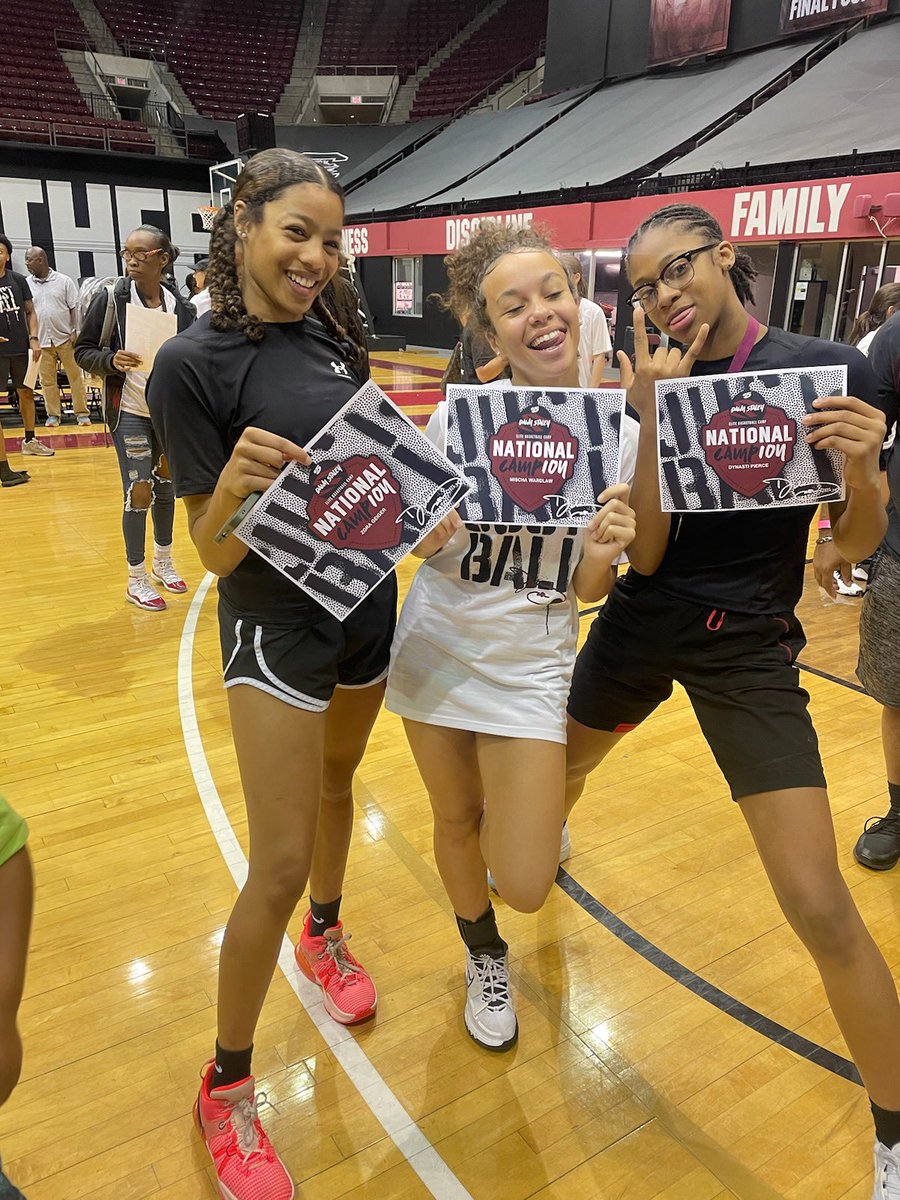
743, 351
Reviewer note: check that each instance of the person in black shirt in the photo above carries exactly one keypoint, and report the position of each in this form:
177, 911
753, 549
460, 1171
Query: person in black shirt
878, 846
18, 335
234, 398
709, 602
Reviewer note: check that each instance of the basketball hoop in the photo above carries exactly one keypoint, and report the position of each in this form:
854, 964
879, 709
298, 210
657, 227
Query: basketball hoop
208, 215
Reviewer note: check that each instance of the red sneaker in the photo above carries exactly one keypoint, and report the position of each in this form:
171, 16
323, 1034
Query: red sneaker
247, 1167
348, 991
163, 571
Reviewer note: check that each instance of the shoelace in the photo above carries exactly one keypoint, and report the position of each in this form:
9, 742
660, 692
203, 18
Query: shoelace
250, 1140
336, 950
165, 567
887, 824
493, 979
141, 587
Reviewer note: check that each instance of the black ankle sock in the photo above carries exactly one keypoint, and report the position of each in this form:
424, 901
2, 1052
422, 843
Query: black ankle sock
29, 434
894, 793
482, 936
231, 1066
323, 916
887, 1125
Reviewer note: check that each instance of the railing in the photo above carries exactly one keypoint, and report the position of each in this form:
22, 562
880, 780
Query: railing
64, 134
78, 39
506, 77
350, 69
525, 88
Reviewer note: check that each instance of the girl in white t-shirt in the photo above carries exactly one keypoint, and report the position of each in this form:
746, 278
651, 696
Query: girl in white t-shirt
486, 640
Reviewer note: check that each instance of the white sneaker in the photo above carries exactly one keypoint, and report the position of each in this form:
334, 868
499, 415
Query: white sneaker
887, 1172
490, 1016
847, 589
861, 573
565, 853
140, 591
33, 446
163, 571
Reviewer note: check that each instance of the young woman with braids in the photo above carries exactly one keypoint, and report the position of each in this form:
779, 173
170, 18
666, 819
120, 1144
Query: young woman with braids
485, 644
148, 253
235, 398
710, 601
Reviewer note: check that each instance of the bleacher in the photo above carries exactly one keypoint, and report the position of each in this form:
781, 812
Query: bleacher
387, 33
228, 55
39, 100
511, 39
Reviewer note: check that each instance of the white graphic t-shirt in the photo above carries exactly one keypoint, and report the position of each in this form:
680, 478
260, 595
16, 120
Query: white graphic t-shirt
487, 636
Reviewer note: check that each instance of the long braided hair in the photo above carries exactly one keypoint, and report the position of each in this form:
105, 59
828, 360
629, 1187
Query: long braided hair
876, 314
263, 179
743, 272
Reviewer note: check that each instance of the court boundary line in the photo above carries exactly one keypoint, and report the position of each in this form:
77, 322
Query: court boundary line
400, 1127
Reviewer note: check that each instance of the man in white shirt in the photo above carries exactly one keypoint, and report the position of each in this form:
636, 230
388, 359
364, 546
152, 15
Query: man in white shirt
55, 298
595, 344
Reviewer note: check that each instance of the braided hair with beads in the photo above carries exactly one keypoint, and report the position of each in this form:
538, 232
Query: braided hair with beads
263, 179
743, 272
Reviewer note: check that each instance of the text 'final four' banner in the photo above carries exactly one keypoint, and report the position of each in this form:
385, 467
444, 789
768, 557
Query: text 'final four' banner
800, 15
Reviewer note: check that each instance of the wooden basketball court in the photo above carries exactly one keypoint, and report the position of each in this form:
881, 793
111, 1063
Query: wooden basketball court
667, 1013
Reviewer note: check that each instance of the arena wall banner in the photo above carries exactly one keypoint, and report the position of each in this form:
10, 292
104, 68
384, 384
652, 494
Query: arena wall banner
681, 29
797, 16
808, 210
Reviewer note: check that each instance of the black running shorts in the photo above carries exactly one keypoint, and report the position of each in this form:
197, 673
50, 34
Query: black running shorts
738, 670
302, 663
15, 368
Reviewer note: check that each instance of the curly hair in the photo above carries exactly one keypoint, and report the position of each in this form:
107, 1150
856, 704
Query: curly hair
468, 267
876, 314
262, 180
743, 272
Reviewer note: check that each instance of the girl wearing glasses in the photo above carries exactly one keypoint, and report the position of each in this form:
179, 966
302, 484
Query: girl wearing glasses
146, 484
710, 602
485, 645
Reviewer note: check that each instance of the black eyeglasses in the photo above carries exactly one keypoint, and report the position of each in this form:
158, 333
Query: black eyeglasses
676, 274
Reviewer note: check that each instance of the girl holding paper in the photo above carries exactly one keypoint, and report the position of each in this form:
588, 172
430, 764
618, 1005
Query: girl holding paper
482, 658
101, 350
234, 399
710, 602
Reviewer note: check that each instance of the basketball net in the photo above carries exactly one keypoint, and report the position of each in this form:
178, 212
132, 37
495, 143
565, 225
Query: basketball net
208, 215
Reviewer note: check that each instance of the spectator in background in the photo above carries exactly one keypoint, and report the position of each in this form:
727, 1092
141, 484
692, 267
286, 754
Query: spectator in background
878, 846
18, 333
595, 344
55, 299
885, 303
198, 292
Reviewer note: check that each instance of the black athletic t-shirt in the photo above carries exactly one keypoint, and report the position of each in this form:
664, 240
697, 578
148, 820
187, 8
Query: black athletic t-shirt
752, 562
884, 355
14, 294
207, 387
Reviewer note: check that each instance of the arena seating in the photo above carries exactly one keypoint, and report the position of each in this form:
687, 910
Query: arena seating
39, 99
388, 33
511, 39
228, 55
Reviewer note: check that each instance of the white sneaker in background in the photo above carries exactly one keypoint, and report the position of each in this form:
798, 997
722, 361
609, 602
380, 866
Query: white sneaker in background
887, 1172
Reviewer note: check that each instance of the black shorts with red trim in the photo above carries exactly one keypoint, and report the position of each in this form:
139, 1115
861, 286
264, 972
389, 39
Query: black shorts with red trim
738, 669
302, 662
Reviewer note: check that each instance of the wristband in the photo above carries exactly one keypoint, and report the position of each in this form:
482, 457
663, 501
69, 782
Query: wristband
826, 524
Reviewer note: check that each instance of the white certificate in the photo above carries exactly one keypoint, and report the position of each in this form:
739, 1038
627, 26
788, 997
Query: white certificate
146, 329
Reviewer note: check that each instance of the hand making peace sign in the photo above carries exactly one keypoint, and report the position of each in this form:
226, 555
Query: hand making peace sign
665, 363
